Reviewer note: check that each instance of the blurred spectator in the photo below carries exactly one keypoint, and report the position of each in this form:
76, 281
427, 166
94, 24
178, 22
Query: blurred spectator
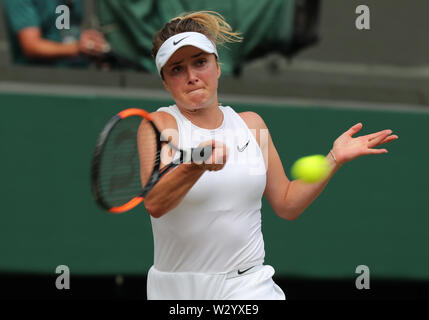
282, 26
35, 39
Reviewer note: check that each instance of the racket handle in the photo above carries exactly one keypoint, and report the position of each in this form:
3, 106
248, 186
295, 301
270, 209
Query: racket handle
201, 154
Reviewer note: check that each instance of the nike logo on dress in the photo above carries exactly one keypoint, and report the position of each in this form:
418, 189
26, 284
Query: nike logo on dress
244, 147
176, 42
241, 272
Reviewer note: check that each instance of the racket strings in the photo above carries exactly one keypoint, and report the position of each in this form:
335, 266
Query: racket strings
148, 151
122, 173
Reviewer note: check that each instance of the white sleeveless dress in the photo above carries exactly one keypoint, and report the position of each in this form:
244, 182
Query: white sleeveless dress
215, 231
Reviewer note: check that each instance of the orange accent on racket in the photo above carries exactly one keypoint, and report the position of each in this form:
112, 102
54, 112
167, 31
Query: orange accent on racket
135, 112
128, 206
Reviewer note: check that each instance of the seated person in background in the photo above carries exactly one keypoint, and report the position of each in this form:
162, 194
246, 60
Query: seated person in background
35, 39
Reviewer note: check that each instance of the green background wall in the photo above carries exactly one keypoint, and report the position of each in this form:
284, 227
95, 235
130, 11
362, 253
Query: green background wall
373, 212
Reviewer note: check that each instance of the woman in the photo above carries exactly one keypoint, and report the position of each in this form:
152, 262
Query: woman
206, 217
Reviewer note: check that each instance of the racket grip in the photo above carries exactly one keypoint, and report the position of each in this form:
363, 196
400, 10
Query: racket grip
201, 154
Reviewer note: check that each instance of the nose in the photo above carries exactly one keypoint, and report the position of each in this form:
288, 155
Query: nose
191, 74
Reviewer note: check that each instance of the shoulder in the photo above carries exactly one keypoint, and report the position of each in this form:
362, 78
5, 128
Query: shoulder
21, 14
253, 120
163, 120
165, 123
257, 126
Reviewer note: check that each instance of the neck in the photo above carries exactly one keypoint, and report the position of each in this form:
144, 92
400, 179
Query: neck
206, 118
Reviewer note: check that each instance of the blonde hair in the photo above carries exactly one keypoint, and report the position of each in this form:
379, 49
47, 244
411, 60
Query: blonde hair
209, 23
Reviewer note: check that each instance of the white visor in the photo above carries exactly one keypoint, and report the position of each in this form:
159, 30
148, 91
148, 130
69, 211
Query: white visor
170, 46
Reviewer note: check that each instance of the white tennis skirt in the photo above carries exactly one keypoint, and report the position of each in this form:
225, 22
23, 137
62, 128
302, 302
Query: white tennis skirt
254, 283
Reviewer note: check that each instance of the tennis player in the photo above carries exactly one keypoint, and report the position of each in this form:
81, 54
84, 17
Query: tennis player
206, 217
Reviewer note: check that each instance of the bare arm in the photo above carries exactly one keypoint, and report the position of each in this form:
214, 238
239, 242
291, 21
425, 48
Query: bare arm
36, 47
293, 197
173, 187
300, 194
290, 198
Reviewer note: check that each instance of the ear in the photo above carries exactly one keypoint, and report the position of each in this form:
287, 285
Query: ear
219, 71
166, 86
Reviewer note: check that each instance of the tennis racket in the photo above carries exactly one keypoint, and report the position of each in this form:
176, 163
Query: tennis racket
130, 157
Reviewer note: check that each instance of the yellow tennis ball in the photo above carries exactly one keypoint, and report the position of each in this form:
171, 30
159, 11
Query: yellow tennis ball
311, 169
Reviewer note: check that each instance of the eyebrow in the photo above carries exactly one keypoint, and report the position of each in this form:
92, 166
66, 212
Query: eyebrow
179, 62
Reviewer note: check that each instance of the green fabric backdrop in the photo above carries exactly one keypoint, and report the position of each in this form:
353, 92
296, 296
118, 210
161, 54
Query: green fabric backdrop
129, 26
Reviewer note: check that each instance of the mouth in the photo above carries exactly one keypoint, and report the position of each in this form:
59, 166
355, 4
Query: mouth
194, 90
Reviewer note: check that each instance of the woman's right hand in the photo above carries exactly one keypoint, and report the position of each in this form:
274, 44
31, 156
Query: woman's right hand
93, 43
218, 157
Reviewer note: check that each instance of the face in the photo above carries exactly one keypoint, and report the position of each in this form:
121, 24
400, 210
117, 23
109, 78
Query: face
191, 76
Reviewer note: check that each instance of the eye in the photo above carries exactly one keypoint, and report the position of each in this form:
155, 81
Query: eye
201, 62
176, 69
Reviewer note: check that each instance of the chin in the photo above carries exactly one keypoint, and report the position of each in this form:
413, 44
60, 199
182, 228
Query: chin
196, 104
192, 107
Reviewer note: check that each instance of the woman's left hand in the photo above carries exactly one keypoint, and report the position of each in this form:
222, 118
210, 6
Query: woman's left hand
346, 148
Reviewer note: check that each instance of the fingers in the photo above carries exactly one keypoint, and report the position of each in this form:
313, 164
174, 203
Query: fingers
94, 35
378, 137
93, 42
219, 155
389, 139
353, 130
377, 134
382, 138
95, 48
208, 143
377, 151
220, 152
